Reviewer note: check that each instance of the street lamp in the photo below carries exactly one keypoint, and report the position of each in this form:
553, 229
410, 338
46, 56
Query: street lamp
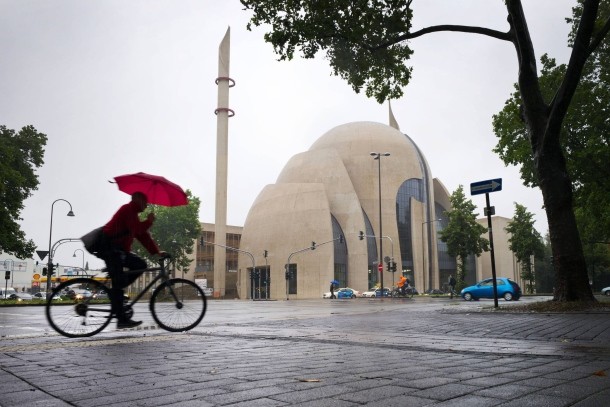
50, 262
82, 252
423, 249
377, 156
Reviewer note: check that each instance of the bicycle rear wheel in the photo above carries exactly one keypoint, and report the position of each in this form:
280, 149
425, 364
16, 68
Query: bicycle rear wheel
178, 305
79, 307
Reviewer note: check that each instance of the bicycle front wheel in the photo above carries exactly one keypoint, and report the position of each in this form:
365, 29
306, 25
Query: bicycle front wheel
178, 305
79, 307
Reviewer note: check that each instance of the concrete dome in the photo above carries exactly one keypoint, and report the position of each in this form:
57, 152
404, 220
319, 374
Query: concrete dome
330, 190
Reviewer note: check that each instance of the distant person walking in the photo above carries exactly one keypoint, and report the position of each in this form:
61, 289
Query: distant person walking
332, 290
451, 286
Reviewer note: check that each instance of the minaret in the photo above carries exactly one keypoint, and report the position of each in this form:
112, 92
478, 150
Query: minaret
223, 113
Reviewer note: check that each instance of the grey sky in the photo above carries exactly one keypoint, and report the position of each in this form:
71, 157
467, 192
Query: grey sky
126, 86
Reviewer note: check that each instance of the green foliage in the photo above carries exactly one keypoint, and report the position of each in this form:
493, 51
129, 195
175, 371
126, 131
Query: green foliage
463, 234
544, 271
175, 230
525, 242
352, 33
20, 154
585, 136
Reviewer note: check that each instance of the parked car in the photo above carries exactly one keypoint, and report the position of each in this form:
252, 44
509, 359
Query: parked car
79, 294
373, 292
21, 297
41, 295
346, 293
102, 295
606, 291
507, 289
386, 292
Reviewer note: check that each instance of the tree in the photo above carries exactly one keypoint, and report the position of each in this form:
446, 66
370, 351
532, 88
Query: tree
544, 269
584, 138
463, 234
20, 154
175, 230
525, 242
366, 44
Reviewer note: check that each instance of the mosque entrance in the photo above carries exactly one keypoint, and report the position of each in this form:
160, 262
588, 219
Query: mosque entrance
259, 283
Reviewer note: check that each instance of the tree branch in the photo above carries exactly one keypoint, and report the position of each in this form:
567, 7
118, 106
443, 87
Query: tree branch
580, 53
599, 37
446, 27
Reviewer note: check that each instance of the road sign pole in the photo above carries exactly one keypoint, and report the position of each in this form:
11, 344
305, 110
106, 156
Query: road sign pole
491, 250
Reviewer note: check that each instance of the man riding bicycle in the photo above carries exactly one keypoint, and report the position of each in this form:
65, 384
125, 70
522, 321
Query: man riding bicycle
120, 231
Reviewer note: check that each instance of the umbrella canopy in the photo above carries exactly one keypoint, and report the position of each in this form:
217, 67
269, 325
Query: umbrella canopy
158, 190
335, 282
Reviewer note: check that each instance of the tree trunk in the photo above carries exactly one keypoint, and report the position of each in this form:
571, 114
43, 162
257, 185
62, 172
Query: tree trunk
544, 125
571, 278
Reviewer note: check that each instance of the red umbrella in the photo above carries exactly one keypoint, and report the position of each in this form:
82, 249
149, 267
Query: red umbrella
157, 189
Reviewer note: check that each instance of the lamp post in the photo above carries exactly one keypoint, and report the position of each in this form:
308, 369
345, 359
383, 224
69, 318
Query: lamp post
50, 262
392, 257
83, 253
423, 259
377, 156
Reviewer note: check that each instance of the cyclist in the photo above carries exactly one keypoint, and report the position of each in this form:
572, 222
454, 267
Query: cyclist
402, 284
119, 232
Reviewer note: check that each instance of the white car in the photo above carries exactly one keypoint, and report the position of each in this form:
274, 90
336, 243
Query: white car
606, 291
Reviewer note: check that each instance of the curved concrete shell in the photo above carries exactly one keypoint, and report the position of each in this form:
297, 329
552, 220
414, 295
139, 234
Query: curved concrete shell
311, 218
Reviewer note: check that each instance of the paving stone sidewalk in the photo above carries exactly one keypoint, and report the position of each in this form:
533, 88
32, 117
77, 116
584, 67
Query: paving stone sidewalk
386, 358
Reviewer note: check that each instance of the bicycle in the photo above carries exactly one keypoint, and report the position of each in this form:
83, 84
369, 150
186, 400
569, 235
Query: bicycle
176, 304
407, 292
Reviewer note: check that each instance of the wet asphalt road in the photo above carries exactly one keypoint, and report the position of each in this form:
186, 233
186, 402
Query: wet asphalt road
314, 353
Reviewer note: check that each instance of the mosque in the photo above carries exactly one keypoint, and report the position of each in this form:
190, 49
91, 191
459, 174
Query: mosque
321, 220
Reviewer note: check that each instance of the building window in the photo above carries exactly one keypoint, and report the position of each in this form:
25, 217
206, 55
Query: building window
410, 189
340, 255
371, 250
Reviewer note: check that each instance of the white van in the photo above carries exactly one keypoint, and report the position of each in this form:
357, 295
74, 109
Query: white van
5, 293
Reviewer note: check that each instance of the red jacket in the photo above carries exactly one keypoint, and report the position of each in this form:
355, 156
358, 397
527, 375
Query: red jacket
127, 225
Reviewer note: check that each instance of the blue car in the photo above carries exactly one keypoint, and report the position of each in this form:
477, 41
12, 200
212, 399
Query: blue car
346, 293
507, 289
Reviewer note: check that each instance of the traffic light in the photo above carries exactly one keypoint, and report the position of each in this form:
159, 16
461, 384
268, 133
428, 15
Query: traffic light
46, 271
393, 267
361, 235
313, 245
265, 253
7, 275
341, 239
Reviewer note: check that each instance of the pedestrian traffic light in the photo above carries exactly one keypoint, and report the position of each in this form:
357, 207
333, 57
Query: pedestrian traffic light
361, 236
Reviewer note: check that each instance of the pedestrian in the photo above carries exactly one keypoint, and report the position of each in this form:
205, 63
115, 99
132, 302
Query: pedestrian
451, 286
119, 233
332, 290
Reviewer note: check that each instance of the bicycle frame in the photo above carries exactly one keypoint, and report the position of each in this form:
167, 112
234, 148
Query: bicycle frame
161, 276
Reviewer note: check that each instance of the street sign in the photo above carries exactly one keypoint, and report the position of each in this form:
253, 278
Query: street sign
380, 267
484, 187
42, 253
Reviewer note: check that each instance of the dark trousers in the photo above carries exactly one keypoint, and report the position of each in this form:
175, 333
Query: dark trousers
116, 261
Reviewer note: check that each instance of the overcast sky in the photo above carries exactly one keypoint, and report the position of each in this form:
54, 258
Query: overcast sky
125, 86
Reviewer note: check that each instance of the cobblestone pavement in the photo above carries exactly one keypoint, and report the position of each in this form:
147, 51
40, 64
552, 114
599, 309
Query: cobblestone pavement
332, 353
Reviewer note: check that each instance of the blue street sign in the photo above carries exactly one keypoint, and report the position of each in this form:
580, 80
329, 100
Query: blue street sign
484, 187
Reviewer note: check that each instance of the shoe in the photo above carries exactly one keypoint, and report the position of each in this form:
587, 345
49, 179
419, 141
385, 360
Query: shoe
128, 324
